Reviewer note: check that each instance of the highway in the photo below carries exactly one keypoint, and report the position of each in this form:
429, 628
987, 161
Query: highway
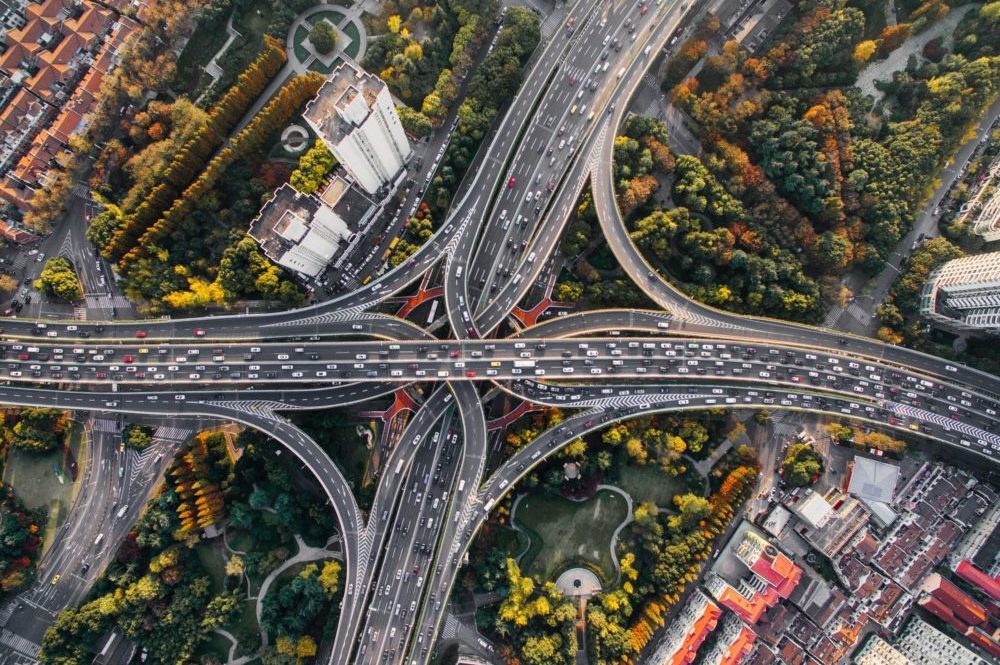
402, 559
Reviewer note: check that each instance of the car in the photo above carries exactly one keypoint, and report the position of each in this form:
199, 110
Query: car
180, 398
129, 359
198, 332
140, 334
52, 333
643, 10
55, 579
512, 182
470, 374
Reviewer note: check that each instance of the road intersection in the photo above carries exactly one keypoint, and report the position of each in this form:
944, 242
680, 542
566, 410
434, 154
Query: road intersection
402, 560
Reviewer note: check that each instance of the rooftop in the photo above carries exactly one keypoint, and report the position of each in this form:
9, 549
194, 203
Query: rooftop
873, 480
343, 101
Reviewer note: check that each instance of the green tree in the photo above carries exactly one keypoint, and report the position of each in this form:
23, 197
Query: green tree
59, 280
323, 37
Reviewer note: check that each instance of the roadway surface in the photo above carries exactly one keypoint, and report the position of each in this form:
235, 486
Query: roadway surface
402, 560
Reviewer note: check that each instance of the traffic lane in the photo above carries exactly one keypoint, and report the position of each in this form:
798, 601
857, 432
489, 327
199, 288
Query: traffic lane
534, 166
469, 236
667, 296
401, 457
556, 359
544, 242
901, 417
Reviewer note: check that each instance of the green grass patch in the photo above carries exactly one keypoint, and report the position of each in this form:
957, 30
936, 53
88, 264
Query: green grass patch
317, 66
509, 541
218, 646
253, 20
335, 432
40, 479
205, 42
301, 52
562, 530
209, 553
331, 15
648, 483
352, 31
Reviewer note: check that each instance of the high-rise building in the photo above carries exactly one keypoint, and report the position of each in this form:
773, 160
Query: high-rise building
924, 644
877, 651
354, 115
964, 294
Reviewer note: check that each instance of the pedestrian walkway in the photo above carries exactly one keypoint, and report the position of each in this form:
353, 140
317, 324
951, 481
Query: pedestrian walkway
107, 425
104, 301
19, 644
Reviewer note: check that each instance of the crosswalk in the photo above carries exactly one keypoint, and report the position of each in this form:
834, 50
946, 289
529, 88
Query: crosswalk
6, 611
171, 433
104, 301
107, 425
855, 310
19, 644
80, 313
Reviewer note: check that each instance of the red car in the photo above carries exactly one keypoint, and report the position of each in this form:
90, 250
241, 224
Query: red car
455, 353
470, 373
511, 183
643, 10
129, 359
22, 356
198, 332
140, 334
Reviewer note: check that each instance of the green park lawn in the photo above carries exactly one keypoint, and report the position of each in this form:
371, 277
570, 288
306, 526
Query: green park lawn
564, 532
648, 483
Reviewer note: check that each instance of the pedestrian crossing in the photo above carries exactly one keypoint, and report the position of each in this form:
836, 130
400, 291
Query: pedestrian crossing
450, 629
104, 301
107, 425
170, 433
19, 644
855, 310
80, 313
6, 611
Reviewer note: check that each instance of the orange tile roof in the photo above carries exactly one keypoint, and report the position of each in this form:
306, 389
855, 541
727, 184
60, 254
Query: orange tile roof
739, 648
943, 612
65, 124
47, 9
14, 112
963, 605
750, 610
95, 21
10, 61
696, 634
974, 576
65, 51
984, 641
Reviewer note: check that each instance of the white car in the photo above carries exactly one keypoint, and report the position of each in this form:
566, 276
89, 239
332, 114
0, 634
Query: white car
52, 333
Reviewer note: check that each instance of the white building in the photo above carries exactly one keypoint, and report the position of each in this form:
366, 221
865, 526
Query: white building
964, 294
879, 652
923, 644
354, 115
299, 232
12, 15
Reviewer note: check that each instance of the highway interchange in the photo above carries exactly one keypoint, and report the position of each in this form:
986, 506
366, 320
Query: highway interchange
403, 557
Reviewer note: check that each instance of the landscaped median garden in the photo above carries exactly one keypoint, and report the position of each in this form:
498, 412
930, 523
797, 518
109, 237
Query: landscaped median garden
572, 511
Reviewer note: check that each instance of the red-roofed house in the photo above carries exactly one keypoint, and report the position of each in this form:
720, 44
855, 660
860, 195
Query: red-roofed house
774, 577
943, 612
984, 641
977, 578
684, 636
734, 644
959, 602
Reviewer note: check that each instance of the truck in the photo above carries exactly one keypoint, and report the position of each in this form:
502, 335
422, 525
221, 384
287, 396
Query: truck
524, 363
